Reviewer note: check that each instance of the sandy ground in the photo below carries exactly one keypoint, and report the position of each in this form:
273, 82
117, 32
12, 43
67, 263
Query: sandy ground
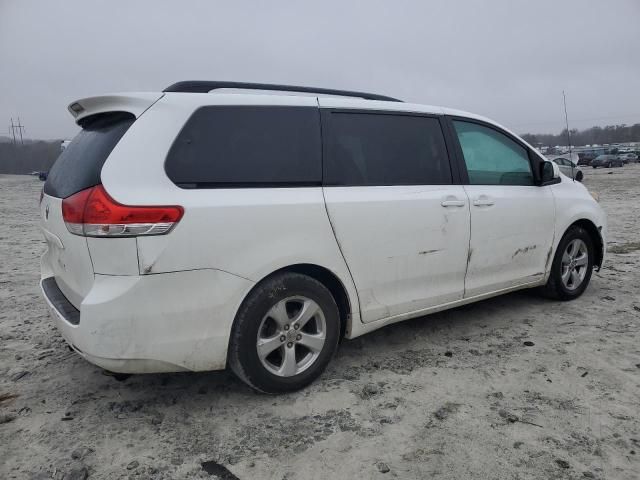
456, 395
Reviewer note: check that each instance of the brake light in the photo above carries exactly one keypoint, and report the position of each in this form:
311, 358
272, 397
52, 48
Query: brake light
93, 213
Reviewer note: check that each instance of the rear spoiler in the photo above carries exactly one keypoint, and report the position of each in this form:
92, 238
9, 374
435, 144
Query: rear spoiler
134, 103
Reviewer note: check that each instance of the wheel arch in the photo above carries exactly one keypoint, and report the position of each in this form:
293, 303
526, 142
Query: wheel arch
327, 278
596, 238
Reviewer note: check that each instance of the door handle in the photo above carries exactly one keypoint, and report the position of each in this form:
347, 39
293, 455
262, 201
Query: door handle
483, 201
452, 202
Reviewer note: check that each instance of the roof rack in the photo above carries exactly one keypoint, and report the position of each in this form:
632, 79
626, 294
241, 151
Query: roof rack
204, 86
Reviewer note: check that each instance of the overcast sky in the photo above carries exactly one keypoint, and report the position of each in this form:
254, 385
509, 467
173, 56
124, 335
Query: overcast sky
506, 59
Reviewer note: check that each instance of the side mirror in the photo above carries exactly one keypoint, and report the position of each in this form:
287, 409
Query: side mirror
549, 173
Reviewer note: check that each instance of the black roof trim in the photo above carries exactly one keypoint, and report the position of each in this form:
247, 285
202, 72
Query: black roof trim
204, 86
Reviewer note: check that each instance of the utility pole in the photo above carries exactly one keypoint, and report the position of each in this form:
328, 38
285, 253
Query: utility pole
13, 131
17, 126
566, 119
20, 128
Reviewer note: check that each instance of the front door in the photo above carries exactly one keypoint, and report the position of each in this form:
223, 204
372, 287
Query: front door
512, 219
402, 226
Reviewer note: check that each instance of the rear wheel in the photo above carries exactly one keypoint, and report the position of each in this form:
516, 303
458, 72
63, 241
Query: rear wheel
572, 265
579, 176
284, 334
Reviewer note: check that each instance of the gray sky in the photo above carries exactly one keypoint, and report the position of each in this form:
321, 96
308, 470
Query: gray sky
506, 59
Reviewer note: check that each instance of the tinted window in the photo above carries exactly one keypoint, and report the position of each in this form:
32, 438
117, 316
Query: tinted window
233, 146
384, 149
492, 158
79, 165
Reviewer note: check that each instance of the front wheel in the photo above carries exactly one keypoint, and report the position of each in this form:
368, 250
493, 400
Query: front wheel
572, 265
579, 176
284, 334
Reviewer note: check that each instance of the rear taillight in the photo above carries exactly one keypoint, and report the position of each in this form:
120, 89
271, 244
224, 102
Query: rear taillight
93, 213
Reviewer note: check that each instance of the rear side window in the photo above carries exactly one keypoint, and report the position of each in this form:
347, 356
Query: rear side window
79, 165
385, 149
247, 146
491, 157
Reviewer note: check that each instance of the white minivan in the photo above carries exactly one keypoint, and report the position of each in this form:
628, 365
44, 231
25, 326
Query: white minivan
255, 227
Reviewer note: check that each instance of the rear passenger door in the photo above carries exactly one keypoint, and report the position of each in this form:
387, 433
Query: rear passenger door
401, 222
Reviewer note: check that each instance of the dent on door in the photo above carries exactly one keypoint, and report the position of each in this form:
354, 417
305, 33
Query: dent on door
406, 247
511, 234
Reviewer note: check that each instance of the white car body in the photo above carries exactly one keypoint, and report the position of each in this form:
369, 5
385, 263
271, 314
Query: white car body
568, 166
167, 302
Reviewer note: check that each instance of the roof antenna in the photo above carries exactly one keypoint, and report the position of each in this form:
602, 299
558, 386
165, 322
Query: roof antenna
566, 119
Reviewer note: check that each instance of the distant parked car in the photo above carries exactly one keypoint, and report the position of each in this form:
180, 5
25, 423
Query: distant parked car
628, 157
585, 158
607, 161
565, 167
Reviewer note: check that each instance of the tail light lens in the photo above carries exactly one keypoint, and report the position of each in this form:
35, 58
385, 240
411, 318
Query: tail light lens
93, 213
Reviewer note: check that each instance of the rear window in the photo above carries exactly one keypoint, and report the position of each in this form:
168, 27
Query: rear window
385, 149
247, 146
79, 165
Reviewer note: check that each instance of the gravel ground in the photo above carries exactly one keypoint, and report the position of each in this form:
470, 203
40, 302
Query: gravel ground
513, 387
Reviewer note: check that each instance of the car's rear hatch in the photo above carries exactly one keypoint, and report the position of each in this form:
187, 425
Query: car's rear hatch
104, 121
78, 168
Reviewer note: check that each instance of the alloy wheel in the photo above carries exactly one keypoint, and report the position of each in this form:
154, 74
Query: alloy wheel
291, 336
575, 262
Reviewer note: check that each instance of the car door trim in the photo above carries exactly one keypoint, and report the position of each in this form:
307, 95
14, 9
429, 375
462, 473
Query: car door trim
367, 327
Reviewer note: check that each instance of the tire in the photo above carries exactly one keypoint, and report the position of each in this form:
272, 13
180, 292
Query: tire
579, 176
558, 288
273, 305
593, 166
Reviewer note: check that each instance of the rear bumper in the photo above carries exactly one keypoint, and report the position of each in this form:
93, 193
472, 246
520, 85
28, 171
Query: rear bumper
152, 323
58, 301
